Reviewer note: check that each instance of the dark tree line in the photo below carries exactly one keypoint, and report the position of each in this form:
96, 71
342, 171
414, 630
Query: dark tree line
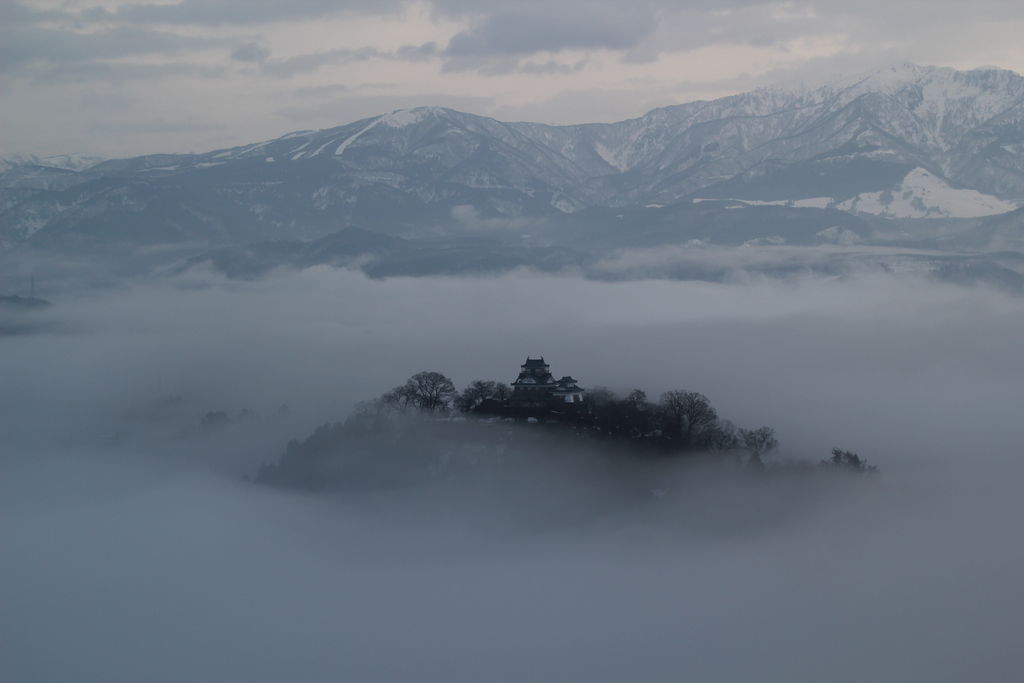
479, 393
679, 421
429, 393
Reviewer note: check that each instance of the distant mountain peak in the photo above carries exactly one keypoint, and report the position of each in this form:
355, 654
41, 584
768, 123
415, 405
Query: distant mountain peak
902, 141
899, 75
892, 78
67, 162
399, 118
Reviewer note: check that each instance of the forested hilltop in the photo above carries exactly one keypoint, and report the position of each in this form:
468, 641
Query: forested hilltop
425, 429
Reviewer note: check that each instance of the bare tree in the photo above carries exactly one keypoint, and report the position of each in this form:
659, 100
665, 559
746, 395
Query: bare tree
502, 392
429, 391
689, 414
396, 400
637, 399
758, 441
722, 436
479, 391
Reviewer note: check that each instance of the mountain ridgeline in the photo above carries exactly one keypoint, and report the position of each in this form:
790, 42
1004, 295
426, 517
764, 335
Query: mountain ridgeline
861, 161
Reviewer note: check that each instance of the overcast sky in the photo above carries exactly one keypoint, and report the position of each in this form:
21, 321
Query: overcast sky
119, 78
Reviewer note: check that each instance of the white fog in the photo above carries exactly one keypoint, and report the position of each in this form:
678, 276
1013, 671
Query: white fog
136, 547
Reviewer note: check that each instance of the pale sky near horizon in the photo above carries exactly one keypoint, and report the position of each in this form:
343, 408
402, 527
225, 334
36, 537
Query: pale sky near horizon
117, 78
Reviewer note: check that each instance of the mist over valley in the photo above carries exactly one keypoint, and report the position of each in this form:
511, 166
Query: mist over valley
135, 532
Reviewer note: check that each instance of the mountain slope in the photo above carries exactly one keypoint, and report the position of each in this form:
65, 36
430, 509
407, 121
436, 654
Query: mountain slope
967, 127
857, 145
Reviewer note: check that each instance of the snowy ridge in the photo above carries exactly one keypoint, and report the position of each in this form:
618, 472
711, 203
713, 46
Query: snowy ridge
67, 162
408, 117
901, 142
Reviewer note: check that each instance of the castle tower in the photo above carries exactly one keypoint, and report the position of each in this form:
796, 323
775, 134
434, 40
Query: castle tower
536, 387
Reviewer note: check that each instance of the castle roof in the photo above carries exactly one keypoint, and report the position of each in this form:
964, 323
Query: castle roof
567, 384
526, 377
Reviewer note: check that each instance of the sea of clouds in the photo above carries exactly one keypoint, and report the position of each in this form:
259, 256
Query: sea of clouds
135, 548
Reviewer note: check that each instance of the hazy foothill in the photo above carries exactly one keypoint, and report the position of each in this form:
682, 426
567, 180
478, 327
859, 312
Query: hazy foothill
426, 429
298, 405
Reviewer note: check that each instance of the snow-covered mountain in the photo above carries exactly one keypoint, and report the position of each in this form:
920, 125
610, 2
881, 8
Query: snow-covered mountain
966, 128
66, 162
902, 142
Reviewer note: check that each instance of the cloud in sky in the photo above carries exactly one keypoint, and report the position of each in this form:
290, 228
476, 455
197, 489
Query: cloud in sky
250, 52
26, 45
518, 32
541, 60
234, 12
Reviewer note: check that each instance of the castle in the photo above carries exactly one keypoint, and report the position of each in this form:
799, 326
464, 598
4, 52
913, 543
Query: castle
537, 388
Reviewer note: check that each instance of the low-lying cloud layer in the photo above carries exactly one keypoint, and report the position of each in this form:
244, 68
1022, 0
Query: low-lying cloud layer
135, 550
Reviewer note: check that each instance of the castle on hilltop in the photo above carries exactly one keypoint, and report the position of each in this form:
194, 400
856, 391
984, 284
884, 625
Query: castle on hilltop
537, 388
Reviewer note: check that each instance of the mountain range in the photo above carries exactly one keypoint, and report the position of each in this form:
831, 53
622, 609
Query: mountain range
905, 154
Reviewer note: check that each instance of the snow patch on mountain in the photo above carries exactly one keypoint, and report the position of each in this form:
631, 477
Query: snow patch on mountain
400, 118
924, 195
297, 153
807, 203
614, 158
563, 205
838, 235
345, 145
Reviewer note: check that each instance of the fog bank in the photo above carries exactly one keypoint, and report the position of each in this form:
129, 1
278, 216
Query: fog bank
135, 550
